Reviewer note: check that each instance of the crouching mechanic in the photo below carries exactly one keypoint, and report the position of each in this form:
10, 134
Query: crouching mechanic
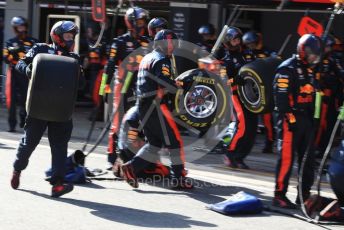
153, 86
62, 34
130, 140
294, 93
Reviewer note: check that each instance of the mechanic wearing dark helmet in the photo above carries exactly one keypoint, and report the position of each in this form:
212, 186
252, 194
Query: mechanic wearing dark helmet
16, 84
155, 25
294, 94
246, 122
126, 73
130, 138
208, 37
253, 43
154, 79
62, 34
330, 82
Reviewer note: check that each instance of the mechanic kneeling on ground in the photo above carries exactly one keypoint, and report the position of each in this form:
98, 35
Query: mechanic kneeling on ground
62, 34
154, 77
294, 94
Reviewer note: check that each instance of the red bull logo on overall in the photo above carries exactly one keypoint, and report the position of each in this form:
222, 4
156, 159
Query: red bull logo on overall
307, 89
306, 94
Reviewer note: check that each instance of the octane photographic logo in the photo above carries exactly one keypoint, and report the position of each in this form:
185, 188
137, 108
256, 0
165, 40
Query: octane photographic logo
199, 107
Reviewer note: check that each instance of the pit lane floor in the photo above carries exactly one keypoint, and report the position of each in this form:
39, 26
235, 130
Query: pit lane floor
113, 204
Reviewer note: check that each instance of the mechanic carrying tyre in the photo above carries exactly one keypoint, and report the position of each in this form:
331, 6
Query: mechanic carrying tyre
254, 50
58, 122
246, 121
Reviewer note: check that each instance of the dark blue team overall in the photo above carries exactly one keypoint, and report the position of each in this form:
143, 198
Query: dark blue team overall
246, 127
59, 133
158, 125
124, 59
331, 86
16, 82
294, 90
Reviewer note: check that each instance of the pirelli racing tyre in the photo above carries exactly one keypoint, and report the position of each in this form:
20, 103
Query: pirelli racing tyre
53, 87
203, 100
256, 93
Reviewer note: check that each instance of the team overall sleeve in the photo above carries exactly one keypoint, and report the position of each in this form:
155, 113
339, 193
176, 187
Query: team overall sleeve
338, 69
7, 57
27, 60
282, 90
230, 69
163, 73
10, 53
110, 68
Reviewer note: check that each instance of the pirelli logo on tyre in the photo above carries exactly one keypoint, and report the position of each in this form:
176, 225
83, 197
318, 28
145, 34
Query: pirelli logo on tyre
204, 80
193, 124
256, 92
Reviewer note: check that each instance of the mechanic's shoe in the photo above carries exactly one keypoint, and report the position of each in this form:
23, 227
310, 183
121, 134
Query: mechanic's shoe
15, 180
242, 165
11, 130
129, 175
163, 170
230, 162
268, 148
182, 183
109, 166
116, 168
111, 159
61, 189
159, 169
282, 201
22, 123
305, 197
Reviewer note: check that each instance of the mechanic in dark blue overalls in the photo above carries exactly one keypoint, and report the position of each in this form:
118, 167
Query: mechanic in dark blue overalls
16, 83
62, 34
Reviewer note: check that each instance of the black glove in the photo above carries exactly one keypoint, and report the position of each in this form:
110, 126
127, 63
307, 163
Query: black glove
16, 49
291, 122
106, 97
239, 80
292, 126
28, 70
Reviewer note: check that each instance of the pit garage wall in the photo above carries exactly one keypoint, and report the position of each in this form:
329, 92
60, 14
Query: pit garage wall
185, 19
16, 8
288, 22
